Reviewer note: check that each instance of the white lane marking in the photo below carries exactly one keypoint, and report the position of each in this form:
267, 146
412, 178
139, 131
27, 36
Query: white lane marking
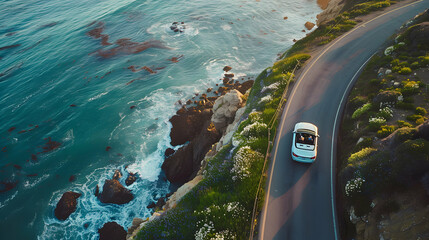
332, 145
264, 217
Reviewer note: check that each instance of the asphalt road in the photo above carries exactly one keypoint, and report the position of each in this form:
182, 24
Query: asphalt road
299, 201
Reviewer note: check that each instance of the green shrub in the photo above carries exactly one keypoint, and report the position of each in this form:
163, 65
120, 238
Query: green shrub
358, 157
421, 120
405, 105
402, 123
418, 119
358, 101
255, 130
424, 60
412, 160
405, 71
395, 62
404, 133
385, 131
268, 114
409, 88
421, 111
374, 82
415, 65
376, 170
375, 123
367, 7
362, 110
386, 113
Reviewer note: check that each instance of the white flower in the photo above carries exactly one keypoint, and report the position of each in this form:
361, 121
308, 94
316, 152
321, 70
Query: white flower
377, 120
243, 160
354, 186
254, 130
389, 50
266, 99
273, 86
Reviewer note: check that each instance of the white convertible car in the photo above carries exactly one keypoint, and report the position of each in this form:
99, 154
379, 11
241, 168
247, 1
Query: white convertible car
304, 142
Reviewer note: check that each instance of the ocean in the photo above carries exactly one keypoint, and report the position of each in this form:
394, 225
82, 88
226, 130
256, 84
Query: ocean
87, 87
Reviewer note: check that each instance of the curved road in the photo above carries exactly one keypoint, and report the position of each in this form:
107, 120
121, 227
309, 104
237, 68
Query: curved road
300, 197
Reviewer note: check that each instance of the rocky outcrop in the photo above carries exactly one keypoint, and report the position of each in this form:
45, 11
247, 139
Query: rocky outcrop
186, 161
114, 192
112, 231
225, 107
135, 225
309, 25
187, 124
230, 130
332, 10
117, 174
66, 205
132, 177
158, 205
193, 127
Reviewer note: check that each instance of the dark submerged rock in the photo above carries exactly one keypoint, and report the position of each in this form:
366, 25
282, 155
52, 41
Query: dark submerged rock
169, 151
132, 177
66, 205
112, 231
117, 174
114, 192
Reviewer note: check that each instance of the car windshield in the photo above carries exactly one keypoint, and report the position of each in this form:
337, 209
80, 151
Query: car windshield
305, 137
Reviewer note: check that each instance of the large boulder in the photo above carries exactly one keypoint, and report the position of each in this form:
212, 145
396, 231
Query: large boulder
186, 124
179, 166
186, 161
112, 231
132, 177
114, 192
66, 205
225, 107
309, 25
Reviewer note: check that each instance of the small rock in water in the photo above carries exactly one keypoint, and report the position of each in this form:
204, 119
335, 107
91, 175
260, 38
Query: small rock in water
178, 27
117, 175
66, 205
227, 68
132, 177
72, 178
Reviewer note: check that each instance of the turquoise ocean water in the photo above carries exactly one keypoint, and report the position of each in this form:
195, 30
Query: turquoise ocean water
72, 111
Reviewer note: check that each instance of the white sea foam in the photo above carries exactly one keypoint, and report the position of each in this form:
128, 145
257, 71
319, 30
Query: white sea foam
8, 200
226, 27
97, 96
30, 183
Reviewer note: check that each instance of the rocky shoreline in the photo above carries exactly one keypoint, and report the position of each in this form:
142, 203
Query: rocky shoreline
200, 128
197, 127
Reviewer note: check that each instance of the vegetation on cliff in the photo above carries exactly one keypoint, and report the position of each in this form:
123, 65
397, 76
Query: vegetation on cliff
384, 140
221, 205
